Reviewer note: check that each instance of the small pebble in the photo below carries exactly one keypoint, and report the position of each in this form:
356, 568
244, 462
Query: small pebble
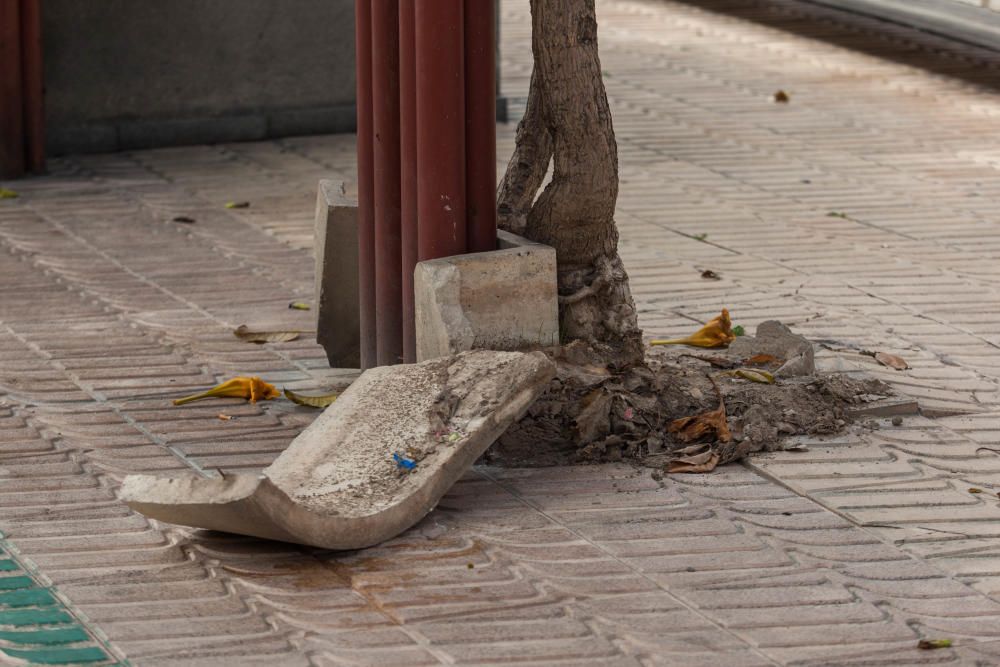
897, 421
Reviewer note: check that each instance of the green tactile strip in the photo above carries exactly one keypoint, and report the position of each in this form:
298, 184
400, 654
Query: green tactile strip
36, 627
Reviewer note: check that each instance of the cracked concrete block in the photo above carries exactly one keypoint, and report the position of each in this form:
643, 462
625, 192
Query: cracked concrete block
338, 315
373, 464
500, 300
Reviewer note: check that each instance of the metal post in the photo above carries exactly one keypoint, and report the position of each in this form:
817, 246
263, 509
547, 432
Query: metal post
440, 129
480, 126
32, 84
385, 115
408, 167
366, 197
11, 100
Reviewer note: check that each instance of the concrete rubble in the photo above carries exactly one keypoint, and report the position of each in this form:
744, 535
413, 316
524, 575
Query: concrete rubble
372, 465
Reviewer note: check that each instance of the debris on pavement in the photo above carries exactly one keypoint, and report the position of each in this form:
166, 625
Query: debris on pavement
931, 644
251, 388
298, 305
781, 97
337, 486
8, 194
403, 462
891, 360
244, 333
322, 401
237, 204
183, 219
716, 333
709, 274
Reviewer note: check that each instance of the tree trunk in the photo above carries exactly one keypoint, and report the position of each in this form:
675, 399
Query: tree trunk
568, 120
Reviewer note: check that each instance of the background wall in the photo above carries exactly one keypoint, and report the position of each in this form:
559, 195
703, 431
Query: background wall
123, 74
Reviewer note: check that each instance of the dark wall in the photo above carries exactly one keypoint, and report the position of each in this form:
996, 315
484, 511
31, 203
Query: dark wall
123, 74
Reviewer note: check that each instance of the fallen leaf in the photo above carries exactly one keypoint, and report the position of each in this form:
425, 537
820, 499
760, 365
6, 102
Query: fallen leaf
700, 237
237, 204
931, 644
694, 459
707, 424
762, 360
593, 421
738, 331
225, 418
891, 360
244, 333
298, 305
837, 214
717, 333
184, 219
759, 376
8, 194
709, 274
975, 490
781, 97
311, 401
250, 388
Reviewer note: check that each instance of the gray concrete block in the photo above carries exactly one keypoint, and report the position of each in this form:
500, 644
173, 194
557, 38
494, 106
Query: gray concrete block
372, 465
338, 317
500, 300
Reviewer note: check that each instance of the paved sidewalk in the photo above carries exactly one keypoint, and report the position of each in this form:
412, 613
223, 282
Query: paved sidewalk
865, 212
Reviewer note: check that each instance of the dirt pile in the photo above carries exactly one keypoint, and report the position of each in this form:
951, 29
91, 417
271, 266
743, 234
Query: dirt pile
688, 410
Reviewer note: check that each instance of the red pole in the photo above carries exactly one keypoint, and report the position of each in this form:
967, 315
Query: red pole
11, 100
480, 126
440, 129
408, 166
33, 84
385, 115
366, 195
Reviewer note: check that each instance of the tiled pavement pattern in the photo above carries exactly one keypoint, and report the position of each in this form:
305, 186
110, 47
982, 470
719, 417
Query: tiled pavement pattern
844, 554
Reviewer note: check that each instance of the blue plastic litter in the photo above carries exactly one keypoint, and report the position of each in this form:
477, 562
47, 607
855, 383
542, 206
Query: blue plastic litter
403, 462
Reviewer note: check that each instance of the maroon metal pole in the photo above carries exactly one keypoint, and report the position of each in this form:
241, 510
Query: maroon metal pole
408, 169
480, 125
440, 129
366, 196
385, 115
33, 85
11, 100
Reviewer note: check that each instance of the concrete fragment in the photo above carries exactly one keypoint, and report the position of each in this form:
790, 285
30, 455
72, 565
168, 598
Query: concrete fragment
500, 300
338, 314
775, 339
337, 486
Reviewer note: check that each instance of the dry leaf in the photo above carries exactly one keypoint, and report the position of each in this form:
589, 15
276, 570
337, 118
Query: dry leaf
694, 459
762, 360
245, 334
759, 376
8, 194
781, 97
594, 421
931, 644
707, 424
709, 274
251, 388
891, 360
298, 305
975, 490
184, 219
237, 204
224, 417
311, 401
717, 333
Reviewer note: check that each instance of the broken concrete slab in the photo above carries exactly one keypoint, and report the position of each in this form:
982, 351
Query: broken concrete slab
506, 299
373, 464
338, 313
774, 338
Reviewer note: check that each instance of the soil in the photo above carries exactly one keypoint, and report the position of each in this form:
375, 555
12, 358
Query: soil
592, 413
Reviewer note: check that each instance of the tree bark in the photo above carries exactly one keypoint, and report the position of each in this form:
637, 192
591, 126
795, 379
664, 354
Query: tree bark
568, 120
